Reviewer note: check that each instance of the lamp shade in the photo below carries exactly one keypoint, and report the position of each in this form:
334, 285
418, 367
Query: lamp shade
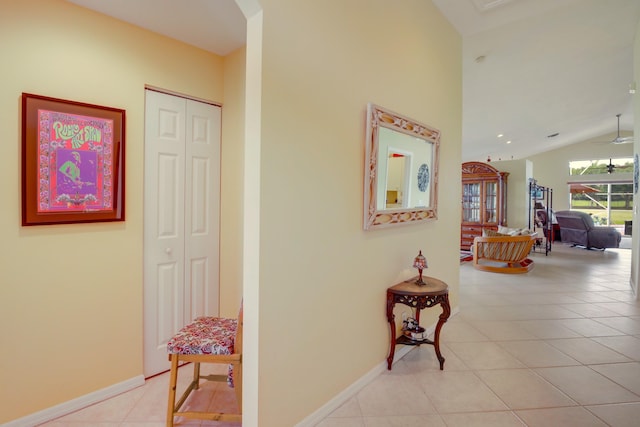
420, 262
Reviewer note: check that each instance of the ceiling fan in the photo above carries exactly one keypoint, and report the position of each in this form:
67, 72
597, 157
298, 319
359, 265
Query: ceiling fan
621, 139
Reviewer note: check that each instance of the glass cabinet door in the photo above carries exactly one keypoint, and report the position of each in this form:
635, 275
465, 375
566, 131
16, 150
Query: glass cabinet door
483, 201
471, 202
491, 202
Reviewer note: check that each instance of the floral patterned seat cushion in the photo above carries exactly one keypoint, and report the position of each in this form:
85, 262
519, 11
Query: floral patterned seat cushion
205, 335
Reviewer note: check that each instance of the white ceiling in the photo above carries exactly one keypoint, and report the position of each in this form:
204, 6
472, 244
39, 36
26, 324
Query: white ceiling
217, 26
531, 68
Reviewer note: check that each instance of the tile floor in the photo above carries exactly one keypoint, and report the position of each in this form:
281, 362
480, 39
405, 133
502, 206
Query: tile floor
558, 346
146, 406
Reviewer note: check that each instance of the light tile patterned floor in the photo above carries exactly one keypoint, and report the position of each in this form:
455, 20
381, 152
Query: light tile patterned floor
558, 346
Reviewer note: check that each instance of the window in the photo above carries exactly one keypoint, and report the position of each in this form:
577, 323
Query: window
601, 166
604, 189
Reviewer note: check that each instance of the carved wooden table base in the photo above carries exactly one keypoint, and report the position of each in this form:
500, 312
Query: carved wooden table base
419, 297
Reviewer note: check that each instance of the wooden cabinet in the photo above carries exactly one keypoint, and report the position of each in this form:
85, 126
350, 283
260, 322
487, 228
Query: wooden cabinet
484, 200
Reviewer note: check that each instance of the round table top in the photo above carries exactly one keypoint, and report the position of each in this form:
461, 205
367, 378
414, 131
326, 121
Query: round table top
409, 287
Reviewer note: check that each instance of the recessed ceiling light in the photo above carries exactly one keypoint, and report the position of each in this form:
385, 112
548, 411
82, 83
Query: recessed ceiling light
508, 142
500, 135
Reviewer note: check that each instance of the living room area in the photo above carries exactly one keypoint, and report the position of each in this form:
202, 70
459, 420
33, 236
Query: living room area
568, 128
607, 197
584, 189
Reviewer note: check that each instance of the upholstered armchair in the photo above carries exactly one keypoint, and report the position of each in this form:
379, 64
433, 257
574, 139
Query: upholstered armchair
578, 229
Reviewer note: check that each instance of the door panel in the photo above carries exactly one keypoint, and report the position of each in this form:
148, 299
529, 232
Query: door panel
199, 279
167, 206
169, 302
202, 204
200, 187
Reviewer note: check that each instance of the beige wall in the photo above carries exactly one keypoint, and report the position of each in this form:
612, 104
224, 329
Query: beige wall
322, 279
232, 183
68, 313
71, 295
320, 287
517, 190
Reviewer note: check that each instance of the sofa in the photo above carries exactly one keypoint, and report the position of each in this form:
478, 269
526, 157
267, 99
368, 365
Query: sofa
577, 228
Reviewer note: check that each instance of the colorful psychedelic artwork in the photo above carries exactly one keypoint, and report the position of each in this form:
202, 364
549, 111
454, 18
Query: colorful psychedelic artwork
75, 163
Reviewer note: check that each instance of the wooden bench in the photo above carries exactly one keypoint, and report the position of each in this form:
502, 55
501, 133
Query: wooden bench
503, 254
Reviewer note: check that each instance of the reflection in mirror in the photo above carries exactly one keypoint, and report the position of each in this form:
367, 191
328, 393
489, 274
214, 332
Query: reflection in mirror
394, 188
400, 171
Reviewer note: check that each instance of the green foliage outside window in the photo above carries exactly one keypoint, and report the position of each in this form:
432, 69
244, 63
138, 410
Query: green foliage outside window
599, 167
611, 205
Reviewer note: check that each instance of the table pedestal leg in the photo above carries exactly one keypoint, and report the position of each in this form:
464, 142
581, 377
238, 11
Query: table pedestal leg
392, 351
392, 328
446, 311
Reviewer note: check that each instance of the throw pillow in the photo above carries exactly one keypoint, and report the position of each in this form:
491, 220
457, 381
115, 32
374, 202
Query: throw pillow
487, 232
514, 231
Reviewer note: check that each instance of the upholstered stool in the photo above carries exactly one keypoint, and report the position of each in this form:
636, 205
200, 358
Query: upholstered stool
206, 340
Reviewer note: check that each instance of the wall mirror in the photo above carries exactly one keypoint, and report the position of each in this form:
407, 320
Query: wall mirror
401, 170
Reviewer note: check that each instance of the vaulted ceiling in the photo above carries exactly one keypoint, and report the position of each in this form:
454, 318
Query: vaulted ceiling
531, 68
535, 68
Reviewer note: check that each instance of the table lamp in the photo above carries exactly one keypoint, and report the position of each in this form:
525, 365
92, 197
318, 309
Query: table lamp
420, 262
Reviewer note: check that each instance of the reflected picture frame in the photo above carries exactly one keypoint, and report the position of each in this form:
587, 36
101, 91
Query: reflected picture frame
537, 193
73, 157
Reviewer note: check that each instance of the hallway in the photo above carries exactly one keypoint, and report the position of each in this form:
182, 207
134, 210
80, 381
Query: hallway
559, 346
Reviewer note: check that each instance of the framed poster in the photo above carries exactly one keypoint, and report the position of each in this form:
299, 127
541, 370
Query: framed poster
72, 162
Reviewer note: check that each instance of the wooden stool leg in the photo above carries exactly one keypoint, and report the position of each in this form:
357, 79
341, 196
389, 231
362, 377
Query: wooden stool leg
237, 384
196, 375
173, 380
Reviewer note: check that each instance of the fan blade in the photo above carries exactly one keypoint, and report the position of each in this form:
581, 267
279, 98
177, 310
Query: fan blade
623, 140
618, 139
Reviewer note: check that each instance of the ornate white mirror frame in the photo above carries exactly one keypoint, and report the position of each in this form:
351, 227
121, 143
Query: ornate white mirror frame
415, 190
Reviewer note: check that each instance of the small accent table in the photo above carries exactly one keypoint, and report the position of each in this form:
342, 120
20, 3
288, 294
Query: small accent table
408, 293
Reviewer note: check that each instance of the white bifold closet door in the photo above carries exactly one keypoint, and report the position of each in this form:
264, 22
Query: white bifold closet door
181, 219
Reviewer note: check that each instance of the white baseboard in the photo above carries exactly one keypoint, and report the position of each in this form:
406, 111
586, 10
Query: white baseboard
76, 404
346, 394
351, 391
116, 389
